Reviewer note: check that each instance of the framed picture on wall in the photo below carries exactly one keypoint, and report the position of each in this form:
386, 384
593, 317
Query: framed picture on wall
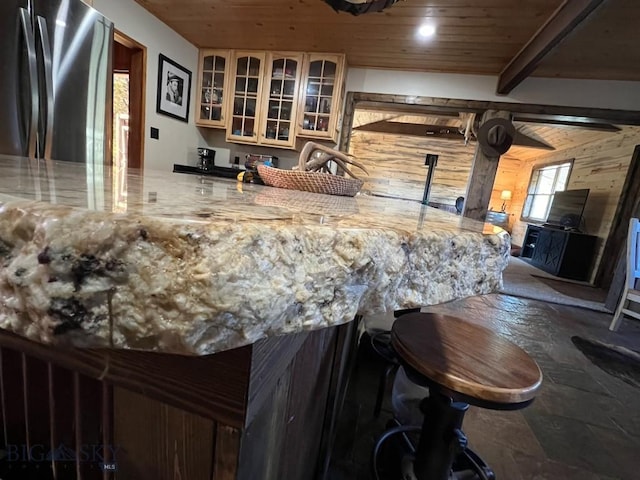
174, 89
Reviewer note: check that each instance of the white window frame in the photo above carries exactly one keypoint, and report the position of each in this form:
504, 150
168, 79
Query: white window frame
533, 192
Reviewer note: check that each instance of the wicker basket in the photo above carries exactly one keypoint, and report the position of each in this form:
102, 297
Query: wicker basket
307, 202
315, 182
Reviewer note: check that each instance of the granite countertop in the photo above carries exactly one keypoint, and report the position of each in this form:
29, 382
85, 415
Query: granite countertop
178, 263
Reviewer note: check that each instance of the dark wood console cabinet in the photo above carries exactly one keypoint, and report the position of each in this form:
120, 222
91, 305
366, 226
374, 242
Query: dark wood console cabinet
560, 252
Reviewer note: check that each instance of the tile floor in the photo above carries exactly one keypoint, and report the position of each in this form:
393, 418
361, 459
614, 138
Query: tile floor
583, 425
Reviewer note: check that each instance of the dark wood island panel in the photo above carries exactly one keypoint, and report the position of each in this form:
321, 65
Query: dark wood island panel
264, 411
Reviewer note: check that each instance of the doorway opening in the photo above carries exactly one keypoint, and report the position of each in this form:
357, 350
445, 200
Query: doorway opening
599, 142
129, 79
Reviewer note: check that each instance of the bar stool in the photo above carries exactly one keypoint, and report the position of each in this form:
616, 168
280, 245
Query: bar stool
381, 344
462, 364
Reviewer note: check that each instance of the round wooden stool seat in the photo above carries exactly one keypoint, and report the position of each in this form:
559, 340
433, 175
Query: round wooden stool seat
466, 359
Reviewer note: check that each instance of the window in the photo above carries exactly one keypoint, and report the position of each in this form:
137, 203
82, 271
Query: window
545, 181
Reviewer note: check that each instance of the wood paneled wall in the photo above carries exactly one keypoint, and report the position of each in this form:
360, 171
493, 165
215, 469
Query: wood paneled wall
599, 165
510, 170
69, 402
396, 164
397, 168
601, 160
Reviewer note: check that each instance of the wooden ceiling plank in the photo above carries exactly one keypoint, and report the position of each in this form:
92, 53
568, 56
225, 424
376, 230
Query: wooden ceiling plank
562, 22
494, 36
276, 18
489, 29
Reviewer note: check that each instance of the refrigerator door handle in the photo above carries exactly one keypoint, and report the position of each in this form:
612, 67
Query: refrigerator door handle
48, 82
29, 38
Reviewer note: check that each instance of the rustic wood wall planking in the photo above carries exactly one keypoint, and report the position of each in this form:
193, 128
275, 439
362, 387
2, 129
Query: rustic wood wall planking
600, 164
509, 171
396, 164
601, 161
208, 421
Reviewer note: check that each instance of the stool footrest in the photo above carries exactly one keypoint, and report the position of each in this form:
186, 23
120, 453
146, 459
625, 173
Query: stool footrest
469, 461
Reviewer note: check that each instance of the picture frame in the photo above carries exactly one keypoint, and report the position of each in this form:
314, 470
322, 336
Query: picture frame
174, 89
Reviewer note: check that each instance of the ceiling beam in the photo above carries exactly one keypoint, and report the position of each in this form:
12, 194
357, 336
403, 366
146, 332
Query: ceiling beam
412, 129
579, 114
440, 132
408, 109
566, 121
567, 17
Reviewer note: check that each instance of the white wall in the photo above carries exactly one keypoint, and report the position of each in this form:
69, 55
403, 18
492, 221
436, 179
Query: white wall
543, 91
178, 140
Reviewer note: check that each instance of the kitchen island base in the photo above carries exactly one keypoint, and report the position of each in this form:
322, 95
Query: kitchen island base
265, 411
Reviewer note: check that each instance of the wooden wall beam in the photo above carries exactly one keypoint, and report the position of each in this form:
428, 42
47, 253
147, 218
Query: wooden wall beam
412, 129
482, 177
440, 131
615, 247
601, 115
564, 121
567, 17
407, 109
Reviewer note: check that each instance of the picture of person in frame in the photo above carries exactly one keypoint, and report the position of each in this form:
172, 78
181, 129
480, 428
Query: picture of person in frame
174, 88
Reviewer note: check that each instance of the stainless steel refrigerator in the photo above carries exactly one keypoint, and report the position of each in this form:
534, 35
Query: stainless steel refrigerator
55, 80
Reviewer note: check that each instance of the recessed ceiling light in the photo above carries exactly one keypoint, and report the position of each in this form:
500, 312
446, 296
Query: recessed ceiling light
426, 31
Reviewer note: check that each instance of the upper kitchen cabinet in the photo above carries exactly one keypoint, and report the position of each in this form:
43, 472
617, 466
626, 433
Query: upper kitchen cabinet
247, 75
213, 88
281, 97
270, 98
321, 96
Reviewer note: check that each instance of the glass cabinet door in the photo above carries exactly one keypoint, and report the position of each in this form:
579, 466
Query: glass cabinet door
247, 90
320, 98
213, 88
280, 105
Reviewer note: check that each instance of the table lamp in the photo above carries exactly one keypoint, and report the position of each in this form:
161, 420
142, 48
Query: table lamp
504, 196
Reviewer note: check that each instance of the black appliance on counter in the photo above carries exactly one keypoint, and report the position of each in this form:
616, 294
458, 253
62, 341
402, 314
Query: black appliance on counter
255, 159
206, 166
207, 159
213, 171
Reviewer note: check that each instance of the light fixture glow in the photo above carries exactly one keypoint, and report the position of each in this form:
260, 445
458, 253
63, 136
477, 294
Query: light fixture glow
426, 31
504, 196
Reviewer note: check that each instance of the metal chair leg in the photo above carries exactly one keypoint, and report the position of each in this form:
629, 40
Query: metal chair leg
382, 388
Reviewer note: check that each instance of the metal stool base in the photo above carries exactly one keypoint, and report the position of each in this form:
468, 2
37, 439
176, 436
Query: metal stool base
442, 452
